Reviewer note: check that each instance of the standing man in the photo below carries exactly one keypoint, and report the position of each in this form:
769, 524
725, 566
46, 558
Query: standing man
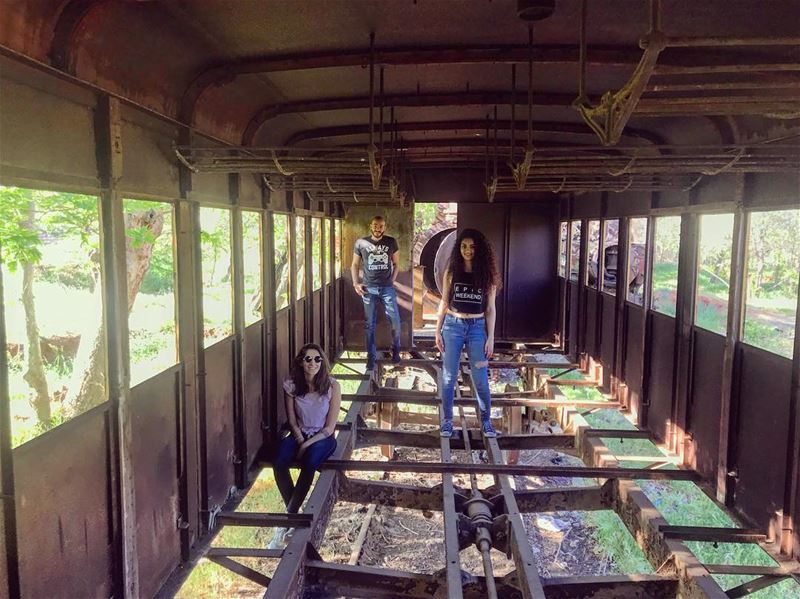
377, 253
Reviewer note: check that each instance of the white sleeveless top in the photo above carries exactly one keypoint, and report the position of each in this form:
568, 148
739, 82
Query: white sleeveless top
310, 409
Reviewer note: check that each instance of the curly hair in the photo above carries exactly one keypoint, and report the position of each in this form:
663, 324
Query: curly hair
322, 380
484, 265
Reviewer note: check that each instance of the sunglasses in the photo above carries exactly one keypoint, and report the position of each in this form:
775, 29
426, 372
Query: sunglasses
316, 359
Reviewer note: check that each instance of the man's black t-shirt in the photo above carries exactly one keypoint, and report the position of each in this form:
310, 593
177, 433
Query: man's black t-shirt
376, 257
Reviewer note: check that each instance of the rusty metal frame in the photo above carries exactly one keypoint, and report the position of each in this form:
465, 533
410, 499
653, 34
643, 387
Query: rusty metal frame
8, 500
108, 139
302, 571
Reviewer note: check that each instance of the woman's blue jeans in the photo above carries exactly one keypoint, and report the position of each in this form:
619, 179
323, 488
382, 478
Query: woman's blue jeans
456, 333
294, 494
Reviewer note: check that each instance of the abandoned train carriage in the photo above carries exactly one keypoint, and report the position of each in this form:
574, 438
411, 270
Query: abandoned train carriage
636, 166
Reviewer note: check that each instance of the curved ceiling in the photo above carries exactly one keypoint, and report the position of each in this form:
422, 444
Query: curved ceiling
276, 73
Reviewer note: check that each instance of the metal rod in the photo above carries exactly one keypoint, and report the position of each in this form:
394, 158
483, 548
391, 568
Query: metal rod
582, 56
380, 136
530, 87
494, 165
371, 88
513, 109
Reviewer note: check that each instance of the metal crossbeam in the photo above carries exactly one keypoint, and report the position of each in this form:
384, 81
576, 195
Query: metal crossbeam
509, 470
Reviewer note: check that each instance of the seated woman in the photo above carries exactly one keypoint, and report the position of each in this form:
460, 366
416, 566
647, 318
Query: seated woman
466, 318
312, 398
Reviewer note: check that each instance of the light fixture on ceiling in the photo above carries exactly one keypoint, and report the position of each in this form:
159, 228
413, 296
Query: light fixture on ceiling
535, 10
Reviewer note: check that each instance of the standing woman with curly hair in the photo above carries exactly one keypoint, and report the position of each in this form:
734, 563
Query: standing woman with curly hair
312, 397
466, 317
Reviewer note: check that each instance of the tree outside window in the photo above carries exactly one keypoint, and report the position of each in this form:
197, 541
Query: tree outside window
773, 261
665, 264
280, 241
593, 254
714, 272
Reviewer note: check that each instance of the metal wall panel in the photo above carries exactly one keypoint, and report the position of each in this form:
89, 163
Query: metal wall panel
219, 420
531, 295
762, 432
316, 316
148, 169
591, 322
154, 409
704, 401
634, 354
63, 510
55, 134
253, 381
250, 190
3, 555
573, 317
607, 338
300, 333
659, 392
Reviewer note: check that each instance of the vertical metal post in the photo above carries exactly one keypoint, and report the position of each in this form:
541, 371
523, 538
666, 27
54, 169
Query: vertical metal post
619, 303
309, 281
684, 327
108, 134
8, 501
268, 302
582, 264
790, 537
741, 225
237, 266
292, 286
644, 398
188, 397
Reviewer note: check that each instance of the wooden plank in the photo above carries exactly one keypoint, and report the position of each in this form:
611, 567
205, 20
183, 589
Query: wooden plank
503, 469
362, 535
751, 586
244, 552
617, 434
711, 534
634, 586
241, 570
751, 570
263, 519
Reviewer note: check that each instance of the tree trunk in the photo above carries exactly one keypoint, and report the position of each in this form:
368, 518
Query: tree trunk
34, 375
88, 385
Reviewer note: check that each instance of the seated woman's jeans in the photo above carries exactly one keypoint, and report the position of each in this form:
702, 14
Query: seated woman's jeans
457, 332
294, 494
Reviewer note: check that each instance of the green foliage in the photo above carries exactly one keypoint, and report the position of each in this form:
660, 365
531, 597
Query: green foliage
611, 534
18, 243
424, 215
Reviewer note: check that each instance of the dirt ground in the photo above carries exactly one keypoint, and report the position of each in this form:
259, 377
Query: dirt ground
413, 540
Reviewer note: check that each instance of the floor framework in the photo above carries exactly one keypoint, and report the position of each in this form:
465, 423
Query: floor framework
491, 517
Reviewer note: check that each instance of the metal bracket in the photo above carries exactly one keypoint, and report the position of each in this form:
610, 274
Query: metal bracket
375, 167
491, 189
521, 169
